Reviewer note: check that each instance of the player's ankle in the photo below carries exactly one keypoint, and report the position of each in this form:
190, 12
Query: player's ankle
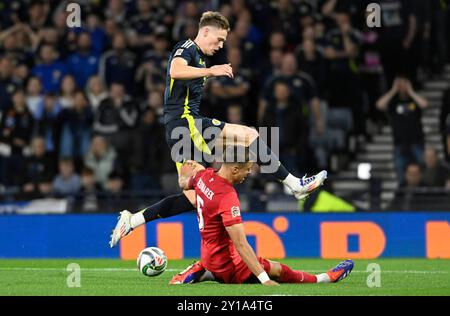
323, 278
137, 220
292, 182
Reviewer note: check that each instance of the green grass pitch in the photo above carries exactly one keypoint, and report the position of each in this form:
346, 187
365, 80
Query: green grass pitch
116, 277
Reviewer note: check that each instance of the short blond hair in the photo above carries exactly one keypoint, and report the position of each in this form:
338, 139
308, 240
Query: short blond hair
213, 18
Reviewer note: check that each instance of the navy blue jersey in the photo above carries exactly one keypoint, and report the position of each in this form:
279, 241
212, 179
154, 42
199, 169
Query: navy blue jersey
184, 96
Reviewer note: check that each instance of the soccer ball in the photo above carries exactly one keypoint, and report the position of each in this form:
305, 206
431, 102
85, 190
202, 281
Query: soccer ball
152, 261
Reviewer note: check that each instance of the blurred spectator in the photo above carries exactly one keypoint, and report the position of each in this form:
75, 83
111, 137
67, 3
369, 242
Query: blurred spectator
188, 14
96, 91
371, 72
444, 125
98, 35
16, 126
76, 128
396, 38
39, 169
408, 197
155, 102
344, 82
142, 26
100, 158
68, 88
15, 43
302, 87
115, 184
113, 196
148, 148
83, 63
48, 124
38, 14
118, 64
413, 176
285, 18
285, 114
249, 41
7, 85
405, 106
435, 173
227, 90
35, 97
234, 114
278, 41
49, 70
115, 119
310, 59
439, 34
88, 201
150, 75
272, 67
67, 183
116, 10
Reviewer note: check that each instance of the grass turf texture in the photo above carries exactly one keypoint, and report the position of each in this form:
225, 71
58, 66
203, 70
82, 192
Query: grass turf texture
116, 277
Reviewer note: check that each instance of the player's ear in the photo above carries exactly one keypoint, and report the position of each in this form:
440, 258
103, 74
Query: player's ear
206, 31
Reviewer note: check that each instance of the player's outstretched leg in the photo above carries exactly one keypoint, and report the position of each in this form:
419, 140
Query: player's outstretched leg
341, 271
234, 134
284, 274
167, 207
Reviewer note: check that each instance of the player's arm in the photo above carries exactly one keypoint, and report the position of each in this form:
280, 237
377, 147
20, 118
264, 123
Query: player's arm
187, 171
237, 235
179, 69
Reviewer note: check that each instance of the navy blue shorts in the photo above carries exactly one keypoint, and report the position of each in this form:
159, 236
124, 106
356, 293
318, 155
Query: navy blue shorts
192, 137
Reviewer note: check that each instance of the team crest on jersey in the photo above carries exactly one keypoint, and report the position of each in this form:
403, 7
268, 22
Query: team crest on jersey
216, 122
235, 211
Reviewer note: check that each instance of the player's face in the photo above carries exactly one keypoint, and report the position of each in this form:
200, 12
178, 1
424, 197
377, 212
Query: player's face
240, 173
215, 39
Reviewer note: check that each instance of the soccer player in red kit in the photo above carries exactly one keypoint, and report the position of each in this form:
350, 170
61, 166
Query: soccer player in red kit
226, 256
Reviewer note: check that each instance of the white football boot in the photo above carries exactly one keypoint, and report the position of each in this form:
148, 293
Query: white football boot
123, 228
309, 185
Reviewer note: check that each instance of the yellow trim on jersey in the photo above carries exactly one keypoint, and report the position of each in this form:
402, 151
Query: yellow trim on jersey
196, 136
178, 165
171, 86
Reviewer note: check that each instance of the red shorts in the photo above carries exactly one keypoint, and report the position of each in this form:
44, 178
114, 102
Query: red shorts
240, 273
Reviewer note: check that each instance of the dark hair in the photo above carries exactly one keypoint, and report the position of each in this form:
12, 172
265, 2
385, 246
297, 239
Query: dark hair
212, 18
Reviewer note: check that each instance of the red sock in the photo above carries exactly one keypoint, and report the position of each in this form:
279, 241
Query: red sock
290, 276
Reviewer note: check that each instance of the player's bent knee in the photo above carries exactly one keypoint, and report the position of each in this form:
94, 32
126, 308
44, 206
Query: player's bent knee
275, 269
248, 135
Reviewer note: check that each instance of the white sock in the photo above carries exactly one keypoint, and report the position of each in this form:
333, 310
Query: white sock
323, 278
292, 182
137, 220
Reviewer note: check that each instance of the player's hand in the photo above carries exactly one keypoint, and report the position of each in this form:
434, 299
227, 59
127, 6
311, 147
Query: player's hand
270, 283
190, 167
222, 70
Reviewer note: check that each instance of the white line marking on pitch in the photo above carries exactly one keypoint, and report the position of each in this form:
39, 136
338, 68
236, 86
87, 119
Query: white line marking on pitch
176, 270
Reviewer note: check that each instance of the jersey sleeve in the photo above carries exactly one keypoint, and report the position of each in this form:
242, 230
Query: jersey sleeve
230, 209
183, 52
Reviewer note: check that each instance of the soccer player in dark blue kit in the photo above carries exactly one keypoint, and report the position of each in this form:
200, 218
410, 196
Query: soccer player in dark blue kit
186, 75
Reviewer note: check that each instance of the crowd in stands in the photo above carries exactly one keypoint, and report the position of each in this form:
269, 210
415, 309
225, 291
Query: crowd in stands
81, 108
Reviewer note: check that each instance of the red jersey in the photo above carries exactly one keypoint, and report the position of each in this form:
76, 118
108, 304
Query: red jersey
217, 207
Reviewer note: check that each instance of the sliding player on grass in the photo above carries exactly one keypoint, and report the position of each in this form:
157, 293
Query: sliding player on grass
226, 256
186, 75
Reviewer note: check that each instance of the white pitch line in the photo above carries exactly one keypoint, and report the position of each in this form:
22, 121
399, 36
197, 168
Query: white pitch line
176, 270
